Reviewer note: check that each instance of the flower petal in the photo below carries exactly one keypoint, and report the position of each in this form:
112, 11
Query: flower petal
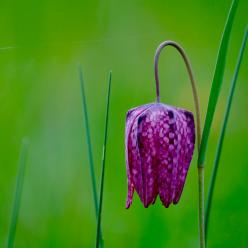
187, 142
167, 155
176, 150
132, 155
147, 142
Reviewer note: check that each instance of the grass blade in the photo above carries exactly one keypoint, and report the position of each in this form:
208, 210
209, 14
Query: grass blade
90, 153
217, 82
18, 193
223, 130
98, 237
88, 140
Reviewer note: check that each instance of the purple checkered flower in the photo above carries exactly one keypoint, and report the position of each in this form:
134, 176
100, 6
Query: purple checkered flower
159, 147
159, 144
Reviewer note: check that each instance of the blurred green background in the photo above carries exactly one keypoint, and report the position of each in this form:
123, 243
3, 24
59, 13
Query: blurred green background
41, 45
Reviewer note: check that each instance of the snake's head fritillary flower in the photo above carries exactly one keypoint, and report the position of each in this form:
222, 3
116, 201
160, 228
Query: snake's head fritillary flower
159, 143
159, 147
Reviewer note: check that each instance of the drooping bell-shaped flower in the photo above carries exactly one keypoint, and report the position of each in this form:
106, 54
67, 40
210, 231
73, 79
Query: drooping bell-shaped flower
159, 147
159, 142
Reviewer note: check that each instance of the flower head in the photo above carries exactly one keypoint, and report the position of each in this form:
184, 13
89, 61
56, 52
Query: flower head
159, 147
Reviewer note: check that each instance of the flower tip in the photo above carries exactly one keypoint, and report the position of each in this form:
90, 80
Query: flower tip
128, 203
176, 200
145, 205
166, 205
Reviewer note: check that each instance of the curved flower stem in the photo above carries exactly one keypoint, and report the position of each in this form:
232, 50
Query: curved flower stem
192, 80
198, 125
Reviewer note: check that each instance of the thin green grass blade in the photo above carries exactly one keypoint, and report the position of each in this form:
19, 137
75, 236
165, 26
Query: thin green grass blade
18, 194
90, 153
223, 130
217, 82
98, 236
88, 140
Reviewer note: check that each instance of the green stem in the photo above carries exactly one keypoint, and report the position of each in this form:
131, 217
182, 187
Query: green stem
223, 130
201, 206
18, 194
198, 124
99, 216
